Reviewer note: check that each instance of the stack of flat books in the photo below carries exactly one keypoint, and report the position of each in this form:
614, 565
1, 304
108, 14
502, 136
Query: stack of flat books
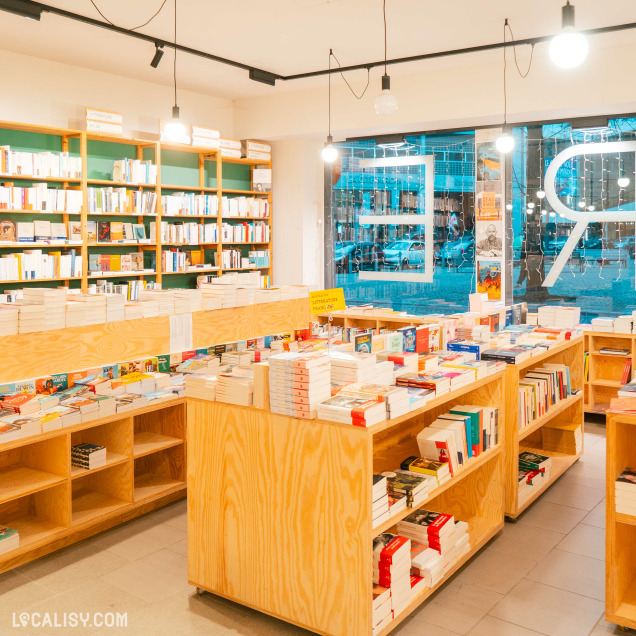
88, 456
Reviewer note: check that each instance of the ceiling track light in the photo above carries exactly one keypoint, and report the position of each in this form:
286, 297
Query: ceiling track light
24, 9
329, 152
157, 56
569, 48
385, 103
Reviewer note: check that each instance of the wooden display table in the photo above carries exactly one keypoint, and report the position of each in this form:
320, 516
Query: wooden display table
51, 504
620, 529
529, 438
279, 508
606, 370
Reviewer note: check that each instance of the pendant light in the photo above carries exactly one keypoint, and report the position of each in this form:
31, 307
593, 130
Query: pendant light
329, 152
505, 142
175, 129
385, 103
569, 48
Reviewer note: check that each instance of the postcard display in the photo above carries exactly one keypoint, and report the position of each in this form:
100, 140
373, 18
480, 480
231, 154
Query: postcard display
490, 224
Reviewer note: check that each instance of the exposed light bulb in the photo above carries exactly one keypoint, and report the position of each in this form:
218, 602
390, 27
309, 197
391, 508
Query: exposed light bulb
552, 213
591, 208
329, 152
531, 205
581, 204
544, 212
623, 182
569, 48
508, 206
175, 129
505, 142
528, 211
540, 194
386, 103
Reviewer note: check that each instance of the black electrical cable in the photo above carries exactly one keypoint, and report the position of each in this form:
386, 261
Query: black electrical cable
175, 53
514, 50
384, 16
132, 28
345, 79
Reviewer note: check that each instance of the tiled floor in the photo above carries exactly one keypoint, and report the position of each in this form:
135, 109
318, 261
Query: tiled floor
543, 574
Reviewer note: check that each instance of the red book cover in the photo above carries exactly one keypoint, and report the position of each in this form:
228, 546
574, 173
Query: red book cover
421, 340
390, 550
186, 355
359, 411
104, 262
626, 371
16, 402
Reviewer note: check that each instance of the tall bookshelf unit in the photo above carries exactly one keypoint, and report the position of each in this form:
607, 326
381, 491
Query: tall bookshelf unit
529, 438
180, 168
279, 508
605, 370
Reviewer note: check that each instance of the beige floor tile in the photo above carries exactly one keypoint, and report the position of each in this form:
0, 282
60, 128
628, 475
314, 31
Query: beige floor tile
154, 577
549, 610
593, 480
174, 515
518, 538
458, 607
550, 516
571, 572
186, 614
491, 626
264, 625
413, 626
139, 538
575, 496
496, 570
586, 540
586, 468
596, 517
92, 597
17, 593
180, 548
593, 427
70, 567
607, 630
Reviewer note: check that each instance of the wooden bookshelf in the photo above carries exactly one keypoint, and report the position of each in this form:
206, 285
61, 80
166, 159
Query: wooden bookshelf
202, 171
605, 371
620, 529
306, 485
53, 505
529, 438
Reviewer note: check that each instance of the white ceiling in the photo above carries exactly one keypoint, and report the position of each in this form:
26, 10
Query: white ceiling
289, 36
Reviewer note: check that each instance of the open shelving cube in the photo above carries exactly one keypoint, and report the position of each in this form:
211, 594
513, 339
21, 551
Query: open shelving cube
267, 493
530, 438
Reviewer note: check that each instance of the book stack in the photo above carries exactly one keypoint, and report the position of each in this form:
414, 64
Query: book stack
434, 380
9, 432
624, 324
562, 437
53, 302
422, 466
395, 398
350, 409
381, 608
28, 424
76, 314
509, 355
603, 324
415, 487
202, 387
32, 318
9, 318
165, 297
236, 358
67, 415
236, 387
380, 508
88, 456
202, 364
187, 300
426, 563
625, 493
129, 401
223, 292
95, 307
440, 444
50, 421
88, 408
115, 307
534, 473
348, 367
9, 540
22, 403
392, 568
107, 405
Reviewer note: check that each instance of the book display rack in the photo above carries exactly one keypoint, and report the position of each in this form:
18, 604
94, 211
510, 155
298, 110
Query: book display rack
306, 486
530, 437
89, 225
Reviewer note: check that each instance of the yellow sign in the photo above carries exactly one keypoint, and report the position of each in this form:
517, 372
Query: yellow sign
327, 300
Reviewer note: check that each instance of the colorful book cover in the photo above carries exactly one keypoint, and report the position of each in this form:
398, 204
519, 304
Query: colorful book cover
362, 342
409, 334
394, 341
163, 364
489, 279
151, 365
51, 383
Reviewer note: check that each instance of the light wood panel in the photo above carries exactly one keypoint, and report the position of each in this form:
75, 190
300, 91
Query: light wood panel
38, 354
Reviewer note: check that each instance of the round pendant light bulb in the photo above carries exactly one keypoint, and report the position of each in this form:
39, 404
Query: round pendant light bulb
569, 48
505, 143
591, 208
531, 205
385, 103
623, 182
329, 152
581, 204
528, 211
508, 206
175, 129
540, 194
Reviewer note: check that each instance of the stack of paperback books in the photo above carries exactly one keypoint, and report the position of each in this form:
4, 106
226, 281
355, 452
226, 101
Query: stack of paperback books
165, 297
382, 613
625, 493
201, 386
534, 473
562, 437
392, 568
437, 381
9, 540
88, 408
380, 500
95, 307
88, 456
349, 409
9, 315
130, 401
348, 367
396, 399
202, 364
51, 300
76, 314
115, 307
430, 467
236, 387
9, 432
415, 488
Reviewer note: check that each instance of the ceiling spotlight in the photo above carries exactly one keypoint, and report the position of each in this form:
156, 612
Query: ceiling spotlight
569, 48
540, 194
531, 205
623, 182
24, 9
329, 152
157, 56
581, 204
508, 206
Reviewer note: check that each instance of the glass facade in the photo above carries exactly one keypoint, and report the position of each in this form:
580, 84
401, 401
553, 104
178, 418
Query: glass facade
592, 200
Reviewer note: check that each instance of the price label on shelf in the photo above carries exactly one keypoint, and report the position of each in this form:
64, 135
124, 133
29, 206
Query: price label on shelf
327, 300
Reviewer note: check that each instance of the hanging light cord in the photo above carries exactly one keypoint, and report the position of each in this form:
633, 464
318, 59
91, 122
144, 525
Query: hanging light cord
174, 68
504, 75
384, 16
330, 54
514, 50
146, 23
345, 79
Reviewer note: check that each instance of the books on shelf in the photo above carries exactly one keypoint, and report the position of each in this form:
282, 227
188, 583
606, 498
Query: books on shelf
625, 493
392, 568
189, 203
134, 171
236, 387
245, 232
40, 198
40, 164
541, 389
380, 505
88, 456
130, 262
192, 233
111, 200
534, 474
562, 437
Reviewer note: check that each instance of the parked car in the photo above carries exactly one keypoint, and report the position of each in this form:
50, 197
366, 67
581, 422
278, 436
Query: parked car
459, 251
404, 254
353, 257
628, 244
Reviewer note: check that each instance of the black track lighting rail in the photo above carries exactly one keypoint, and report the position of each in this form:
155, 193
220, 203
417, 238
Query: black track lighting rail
31, 9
